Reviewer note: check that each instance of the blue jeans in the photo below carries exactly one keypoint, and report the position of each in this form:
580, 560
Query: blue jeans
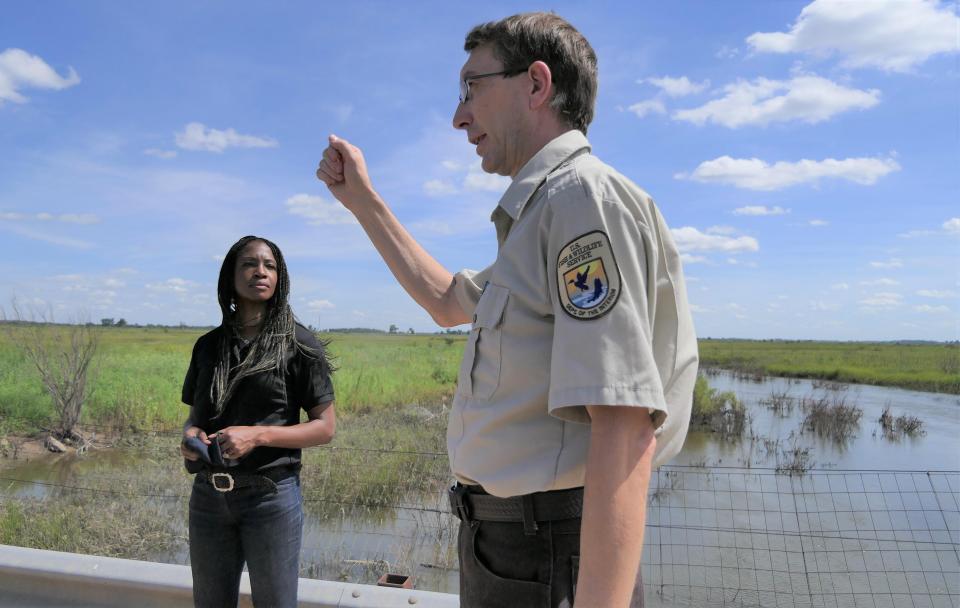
254, 525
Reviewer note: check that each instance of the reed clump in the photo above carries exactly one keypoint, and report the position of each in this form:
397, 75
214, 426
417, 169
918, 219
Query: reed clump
895, 428
716, 411
831, 417
780, 403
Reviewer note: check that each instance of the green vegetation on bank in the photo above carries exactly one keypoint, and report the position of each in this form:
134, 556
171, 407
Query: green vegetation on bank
138, 372
920, 366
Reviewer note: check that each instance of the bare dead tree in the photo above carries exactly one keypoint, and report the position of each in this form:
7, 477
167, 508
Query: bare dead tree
63, 355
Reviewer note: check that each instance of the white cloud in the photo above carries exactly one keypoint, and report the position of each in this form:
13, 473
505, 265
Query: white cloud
66, 218
451, 165
438, 187
931, 309
721, 230
739, 311
316, 305
690, 239
840, 286
883, 300
822, 305
343, 112
760, 210
642, 108
699, 309
686, 258
53, 239
937, 293
318, 211
78, 218
892, 35
879, 282
818, 223
164, 154
756, 174
810, 99
677, 87
891, 263
949, 227
726, 52
196, 136
912, 234
19, 69
478, 180
432, 226
175, 285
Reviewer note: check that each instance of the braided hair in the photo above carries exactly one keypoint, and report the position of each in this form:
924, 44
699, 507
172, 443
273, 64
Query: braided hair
277, 333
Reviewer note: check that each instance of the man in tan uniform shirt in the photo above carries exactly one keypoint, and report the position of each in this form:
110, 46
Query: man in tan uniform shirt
578, 374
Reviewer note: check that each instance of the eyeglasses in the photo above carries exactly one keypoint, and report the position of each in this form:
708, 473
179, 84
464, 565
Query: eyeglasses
465, 83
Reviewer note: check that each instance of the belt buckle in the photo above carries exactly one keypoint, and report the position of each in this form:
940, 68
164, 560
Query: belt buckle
458, 503
218, 488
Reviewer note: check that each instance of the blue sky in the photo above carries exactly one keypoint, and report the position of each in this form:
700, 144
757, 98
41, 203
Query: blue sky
804, 154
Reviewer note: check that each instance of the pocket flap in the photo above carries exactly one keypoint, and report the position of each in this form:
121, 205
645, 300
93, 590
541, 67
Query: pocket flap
489, 310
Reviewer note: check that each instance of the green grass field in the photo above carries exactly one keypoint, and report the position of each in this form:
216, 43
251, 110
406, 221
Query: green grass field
138, 372
925, 367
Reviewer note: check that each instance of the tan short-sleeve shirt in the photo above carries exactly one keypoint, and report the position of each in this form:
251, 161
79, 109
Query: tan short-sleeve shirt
584, 305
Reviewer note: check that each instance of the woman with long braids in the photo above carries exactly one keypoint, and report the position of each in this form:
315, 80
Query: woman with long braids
247, 382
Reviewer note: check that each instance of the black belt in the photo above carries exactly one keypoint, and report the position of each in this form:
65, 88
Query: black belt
471, 503
225, 480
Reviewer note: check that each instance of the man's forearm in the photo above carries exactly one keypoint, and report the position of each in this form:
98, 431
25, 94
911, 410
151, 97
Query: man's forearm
427, 282
622, 445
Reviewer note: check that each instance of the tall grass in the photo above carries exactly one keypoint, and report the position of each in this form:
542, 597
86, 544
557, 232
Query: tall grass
926, 367
138, 373
720, 412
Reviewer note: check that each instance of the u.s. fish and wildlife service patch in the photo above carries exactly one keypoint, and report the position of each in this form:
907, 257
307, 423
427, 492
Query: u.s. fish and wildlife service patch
587, 276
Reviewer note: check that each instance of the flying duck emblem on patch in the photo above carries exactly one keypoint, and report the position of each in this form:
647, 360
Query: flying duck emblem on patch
587, 276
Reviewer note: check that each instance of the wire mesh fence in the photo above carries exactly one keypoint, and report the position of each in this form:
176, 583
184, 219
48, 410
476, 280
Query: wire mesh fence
715, 536
748, 537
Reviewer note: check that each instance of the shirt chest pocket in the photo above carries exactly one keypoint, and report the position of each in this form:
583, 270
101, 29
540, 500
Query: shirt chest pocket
480, 371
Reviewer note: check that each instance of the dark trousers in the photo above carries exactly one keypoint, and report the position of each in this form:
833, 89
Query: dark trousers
257, 526
502, 566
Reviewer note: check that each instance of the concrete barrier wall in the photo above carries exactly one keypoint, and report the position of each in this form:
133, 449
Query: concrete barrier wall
33, 578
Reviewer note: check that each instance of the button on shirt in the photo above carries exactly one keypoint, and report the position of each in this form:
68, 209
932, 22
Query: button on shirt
584, 305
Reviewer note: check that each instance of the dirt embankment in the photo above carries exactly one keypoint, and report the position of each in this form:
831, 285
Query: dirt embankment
28, 447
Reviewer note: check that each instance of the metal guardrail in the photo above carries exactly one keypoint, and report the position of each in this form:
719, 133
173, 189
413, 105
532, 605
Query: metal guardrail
32, 578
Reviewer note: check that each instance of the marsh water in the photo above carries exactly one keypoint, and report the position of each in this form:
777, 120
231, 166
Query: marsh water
938, 448
707, 479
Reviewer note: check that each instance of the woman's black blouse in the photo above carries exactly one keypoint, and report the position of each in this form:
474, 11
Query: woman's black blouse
271, 398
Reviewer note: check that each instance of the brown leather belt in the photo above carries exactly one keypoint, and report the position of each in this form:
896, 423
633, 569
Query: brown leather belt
470, 503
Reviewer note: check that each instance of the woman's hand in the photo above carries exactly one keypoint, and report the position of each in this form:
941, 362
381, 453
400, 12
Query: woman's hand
237, 441
192, 431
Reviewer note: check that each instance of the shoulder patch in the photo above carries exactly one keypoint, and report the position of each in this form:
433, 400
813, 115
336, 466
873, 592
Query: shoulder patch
587, 276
